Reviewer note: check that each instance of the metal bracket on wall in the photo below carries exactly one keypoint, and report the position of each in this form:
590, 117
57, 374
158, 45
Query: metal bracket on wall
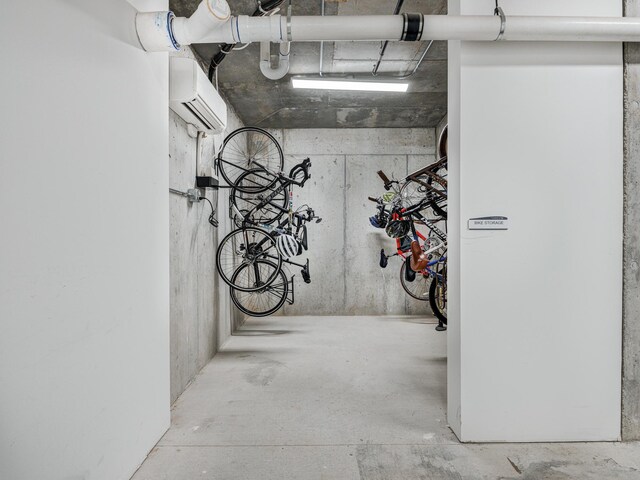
193, 194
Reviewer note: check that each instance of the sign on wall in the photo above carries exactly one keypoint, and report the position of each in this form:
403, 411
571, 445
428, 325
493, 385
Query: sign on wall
489, 223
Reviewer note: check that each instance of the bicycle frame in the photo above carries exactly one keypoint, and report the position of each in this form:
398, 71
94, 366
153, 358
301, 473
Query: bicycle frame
404, 254
299, 221
429, 170
285, 183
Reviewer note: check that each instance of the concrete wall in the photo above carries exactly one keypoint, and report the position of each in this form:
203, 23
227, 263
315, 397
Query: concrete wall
84, 271
344, 249
202, 314
631, 287
535, 318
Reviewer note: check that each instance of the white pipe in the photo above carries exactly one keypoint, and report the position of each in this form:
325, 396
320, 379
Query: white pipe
282, 68
245, 29
436, 27
210, 15
585, 29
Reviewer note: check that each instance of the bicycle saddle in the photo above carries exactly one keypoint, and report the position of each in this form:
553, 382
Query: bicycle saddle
419, 260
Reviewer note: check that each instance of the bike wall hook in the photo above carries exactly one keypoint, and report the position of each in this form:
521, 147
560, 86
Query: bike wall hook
503, 21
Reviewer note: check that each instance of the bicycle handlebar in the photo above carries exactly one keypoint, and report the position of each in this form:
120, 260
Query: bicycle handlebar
385, 179
309, 215
302, 167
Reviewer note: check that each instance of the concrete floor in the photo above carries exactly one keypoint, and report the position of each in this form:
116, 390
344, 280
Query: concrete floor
346, 398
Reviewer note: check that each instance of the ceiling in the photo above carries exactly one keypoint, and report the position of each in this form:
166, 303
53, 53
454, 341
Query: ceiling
275, 104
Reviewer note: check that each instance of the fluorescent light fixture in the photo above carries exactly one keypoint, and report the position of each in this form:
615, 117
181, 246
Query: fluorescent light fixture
342, 84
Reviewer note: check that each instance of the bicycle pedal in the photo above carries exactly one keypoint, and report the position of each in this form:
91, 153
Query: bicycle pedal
306, 276
384, 261
409, 274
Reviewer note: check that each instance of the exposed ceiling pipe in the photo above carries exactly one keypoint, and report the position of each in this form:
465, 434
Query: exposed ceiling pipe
413, 27
157, 30
209, 15
282, 67
384, 45
265, 7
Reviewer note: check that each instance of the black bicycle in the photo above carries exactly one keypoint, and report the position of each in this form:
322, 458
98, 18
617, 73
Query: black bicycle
250, 204
251, 148
254, 212
271, 296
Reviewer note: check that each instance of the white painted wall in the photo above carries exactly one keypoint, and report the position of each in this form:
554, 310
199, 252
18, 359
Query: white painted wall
535, 311
84, 272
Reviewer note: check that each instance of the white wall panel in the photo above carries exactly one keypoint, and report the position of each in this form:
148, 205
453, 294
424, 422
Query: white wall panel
84, 273
536, 135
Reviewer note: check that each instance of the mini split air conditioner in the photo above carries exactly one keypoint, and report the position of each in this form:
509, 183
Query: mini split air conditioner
193, 98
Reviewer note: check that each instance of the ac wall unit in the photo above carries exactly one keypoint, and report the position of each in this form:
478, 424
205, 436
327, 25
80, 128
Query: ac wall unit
193, 98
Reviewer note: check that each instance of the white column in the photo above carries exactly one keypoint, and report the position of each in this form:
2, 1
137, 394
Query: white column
535, 311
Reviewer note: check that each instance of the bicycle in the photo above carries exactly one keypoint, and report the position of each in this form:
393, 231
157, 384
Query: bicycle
252, 205
250, 241
250, 148
272, 296
428, 182
420, 262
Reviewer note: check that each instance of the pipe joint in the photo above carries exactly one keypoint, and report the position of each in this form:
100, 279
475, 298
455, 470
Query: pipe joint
412, 27
282, 68
155, 31
210, 15
247, 29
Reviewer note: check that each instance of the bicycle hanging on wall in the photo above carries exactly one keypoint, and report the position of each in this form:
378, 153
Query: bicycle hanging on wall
269, 231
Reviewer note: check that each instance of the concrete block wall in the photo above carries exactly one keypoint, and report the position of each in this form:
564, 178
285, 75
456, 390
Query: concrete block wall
202, 315
344, 249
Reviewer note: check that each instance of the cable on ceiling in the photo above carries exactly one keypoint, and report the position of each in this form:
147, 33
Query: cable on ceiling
265, 8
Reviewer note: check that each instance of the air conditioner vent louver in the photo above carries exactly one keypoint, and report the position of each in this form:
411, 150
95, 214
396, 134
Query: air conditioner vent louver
193, 97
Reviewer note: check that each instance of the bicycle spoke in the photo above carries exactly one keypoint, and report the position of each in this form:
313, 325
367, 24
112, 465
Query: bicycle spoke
248, 148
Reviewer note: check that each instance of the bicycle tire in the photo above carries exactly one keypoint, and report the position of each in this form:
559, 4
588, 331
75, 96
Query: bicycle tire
245, 201
272, 297
439, 311
414, 191
411, 193
419, 288
248, 148
443, 142
232, 253
438, 208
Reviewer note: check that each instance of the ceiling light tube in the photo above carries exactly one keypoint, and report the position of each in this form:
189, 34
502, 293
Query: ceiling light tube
347, 84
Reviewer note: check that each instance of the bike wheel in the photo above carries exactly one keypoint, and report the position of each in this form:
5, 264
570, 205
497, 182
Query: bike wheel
419, 288
268, 299
425, 187
415, 191
438, 297
247, 201
412, 193
439, 203
251, 148
245, 246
